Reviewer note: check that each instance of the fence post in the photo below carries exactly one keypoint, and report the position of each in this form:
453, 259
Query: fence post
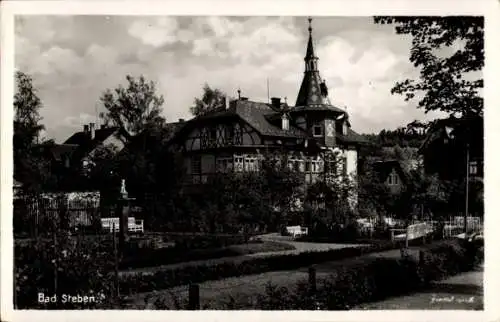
194, 297
312, 279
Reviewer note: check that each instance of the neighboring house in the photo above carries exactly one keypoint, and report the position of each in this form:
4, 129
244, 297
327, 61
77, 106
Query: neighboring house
391, 173
85, 143
313, 133
447, 144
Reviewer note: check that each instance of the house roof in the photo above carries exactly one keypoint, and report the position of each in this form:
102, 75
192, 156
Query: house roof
259, 116
85, 144
448, 127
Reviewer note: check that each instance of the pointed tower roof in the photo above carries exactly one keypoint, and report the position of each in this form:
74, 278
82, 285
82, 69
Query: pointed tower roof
312, 93
310, 47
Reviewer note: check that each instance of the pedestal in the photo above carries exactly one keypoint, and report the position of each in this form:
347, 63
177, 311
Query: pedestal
124, 211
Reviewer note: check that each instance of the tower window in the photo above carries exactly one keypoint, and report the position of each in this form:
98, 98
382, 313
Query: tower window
284, 122
317, 130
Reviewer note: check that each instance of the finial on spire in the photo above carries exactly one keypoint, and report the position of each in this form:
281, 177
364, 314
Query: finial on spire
310, 26
239, 93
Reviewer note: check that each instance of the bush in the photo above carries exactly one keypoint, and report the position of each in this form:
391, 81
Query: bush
65, 266
371, 279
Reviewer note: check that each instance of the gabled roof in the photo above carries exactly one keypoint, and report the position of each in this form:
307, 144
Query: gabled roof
86, 145
257, 115
447, 128
260, 116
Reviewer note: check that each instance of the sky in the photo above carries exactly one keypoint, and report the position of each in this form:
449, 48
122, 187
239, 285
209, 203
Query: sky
73, 59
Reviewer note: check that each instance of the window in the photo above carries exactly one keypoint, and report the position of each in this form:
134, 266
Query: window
317, 130
229, 135
344, 128
308, 165
224, 164
393, 179
284, 123
196, 165
473, 168
344, 167
212, 135
238, 163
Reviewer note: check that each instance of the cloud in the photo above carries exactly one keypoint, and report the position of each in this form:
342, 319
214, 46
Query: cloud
75, 58
155, 31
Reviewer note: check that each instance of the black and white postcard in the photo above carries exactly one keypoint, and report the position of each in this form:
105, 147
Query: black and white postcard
302, 160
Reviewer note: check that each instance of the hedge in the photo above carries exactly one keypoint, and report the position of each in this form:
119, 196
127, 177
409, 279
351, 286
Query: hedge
223, 268
354, 282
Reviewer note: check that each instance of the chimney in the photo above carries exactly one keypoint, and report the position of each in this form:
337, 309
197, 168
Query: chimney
276, 102
92, 130
181, 120
85, 128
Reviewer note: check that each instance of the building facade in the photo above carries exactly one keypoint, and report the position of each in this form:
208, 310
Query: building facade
315, 136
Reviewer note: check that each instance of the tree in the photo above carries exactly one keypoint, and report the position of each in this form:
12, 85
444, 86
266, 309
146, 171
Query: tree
29, 165
135, 107
212, 100
448, 83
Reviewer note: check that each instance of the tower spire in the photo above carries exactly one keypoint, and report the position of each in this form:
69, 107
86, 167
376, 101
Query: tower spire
310, 47
312, 90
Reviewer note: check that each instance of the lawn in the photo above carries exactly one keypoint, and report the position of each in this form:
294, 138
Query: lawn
156, 258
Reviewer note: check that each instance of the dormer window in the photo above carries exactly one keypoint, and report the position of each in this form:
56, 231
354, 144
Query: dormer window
344, 128
285, 124
317, 130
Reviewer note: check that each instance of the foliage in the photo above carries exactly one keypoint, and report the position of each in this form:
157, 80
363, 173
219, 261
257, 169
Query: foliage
238, 202
63, 265
412, 135
30, 166
356, 281
212, 100
449, 83
134, 107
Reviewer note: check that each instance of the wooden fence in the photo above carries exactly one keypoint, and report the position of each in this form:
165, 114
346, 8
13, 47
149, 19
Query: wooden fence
40, 214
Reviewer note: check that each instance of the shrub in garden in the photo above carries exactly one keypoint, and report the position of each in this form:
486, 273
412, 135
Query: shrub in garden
370, 279
63, 265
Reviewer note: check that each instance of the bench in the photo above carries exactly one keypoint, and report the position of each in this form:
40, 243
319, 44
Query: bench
134, 225
411, 232
297, 231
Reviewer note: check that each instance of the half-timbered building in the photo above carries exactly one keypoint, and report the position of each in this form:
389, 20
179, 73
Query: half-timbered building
314, 134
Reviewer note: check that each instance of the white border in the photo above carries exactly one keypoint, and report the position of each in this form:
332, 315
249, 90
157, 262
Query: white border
490, 9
